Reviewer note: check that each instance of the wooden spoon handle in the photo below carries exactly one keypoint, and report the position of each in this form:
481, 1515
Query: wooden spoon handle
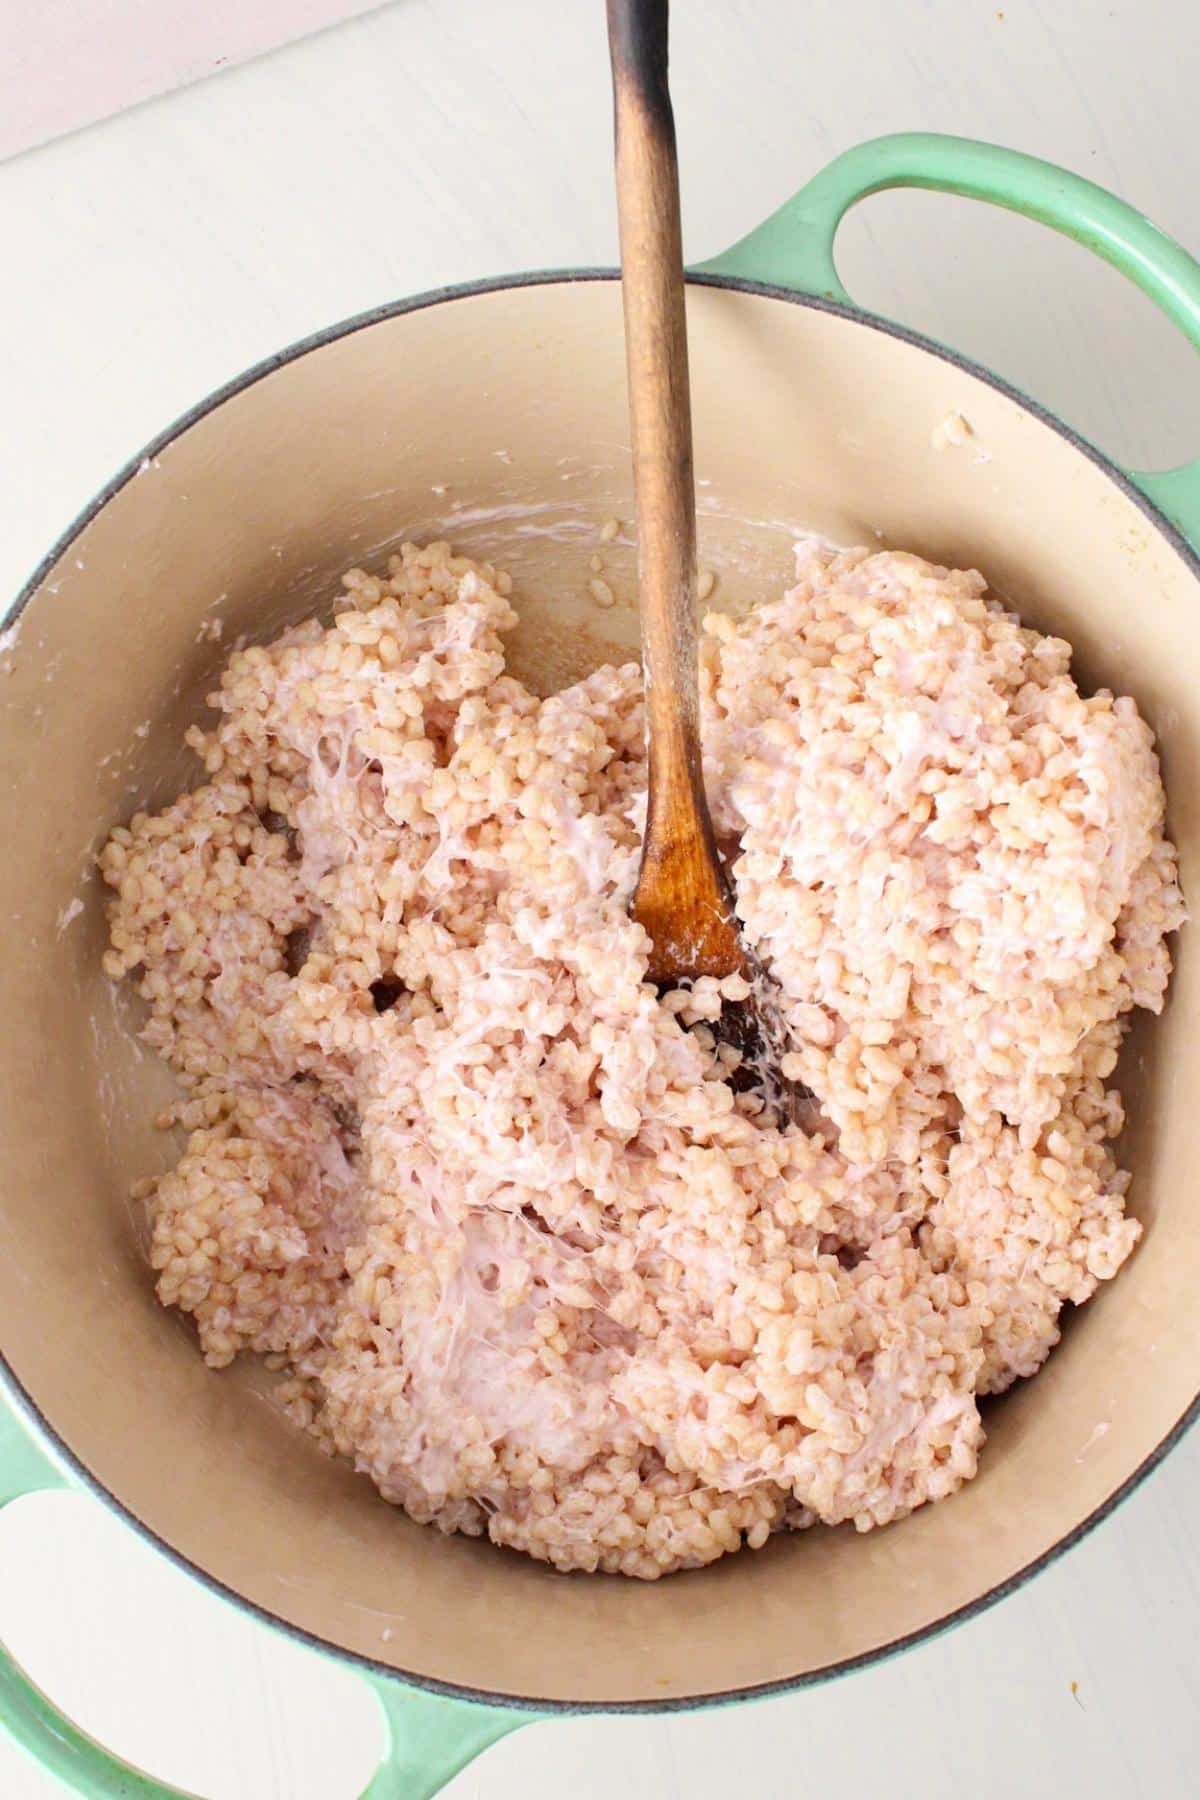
682, 898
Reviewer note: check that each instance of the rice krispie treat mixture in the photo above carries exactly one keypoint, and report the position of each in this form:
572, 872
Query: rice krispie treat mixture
486, 1200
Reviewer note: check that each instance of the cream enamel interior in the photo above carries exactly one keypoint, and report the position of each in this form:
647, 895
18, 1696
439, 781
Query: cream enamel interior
513, 402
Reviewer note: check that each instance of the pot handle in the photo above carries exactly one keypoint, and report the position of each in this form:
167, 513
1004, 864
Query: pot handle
429, 1739
793, 248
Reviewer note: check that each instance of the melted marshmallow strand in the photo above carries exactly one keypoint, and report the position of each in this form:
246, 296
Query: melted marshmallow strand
483, 1197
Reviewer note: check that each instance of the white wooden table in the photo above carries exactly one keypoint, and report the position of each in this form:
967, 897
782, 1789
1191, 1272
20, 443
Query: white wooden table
150, 258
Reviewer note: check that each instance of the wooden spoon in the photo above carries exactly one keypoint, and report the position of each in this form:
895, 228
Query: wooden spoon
683, 898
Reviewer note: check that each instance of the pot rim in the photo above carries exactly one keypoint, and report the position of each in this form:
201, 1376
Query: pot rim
32, 1415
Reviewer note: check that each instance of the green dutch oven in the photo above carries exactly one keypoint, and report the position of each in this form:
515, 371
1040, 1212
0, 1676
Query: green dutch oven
808, 411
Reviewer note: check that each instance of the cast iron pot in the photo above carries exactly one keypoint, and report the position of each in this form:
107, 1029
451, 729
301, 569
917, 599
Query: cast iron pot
495, 414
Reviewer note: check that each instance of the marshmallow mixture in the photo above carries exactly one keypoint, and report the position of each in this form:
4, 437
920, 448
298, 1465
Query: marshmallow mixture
487, 1201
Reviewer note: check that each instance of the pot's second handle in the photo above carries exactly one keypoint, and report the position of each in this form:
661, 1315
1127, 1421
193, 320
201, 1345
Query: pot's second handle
794, 247
429, 1739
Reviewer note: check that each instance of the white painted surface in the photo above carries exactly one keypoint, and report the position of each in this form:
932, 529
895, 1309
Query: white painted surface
152, 257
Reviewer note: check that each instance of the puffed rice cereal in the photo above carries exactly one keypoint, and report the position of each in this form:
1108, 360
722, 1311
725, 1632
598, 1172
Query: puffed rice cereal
487, 1201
